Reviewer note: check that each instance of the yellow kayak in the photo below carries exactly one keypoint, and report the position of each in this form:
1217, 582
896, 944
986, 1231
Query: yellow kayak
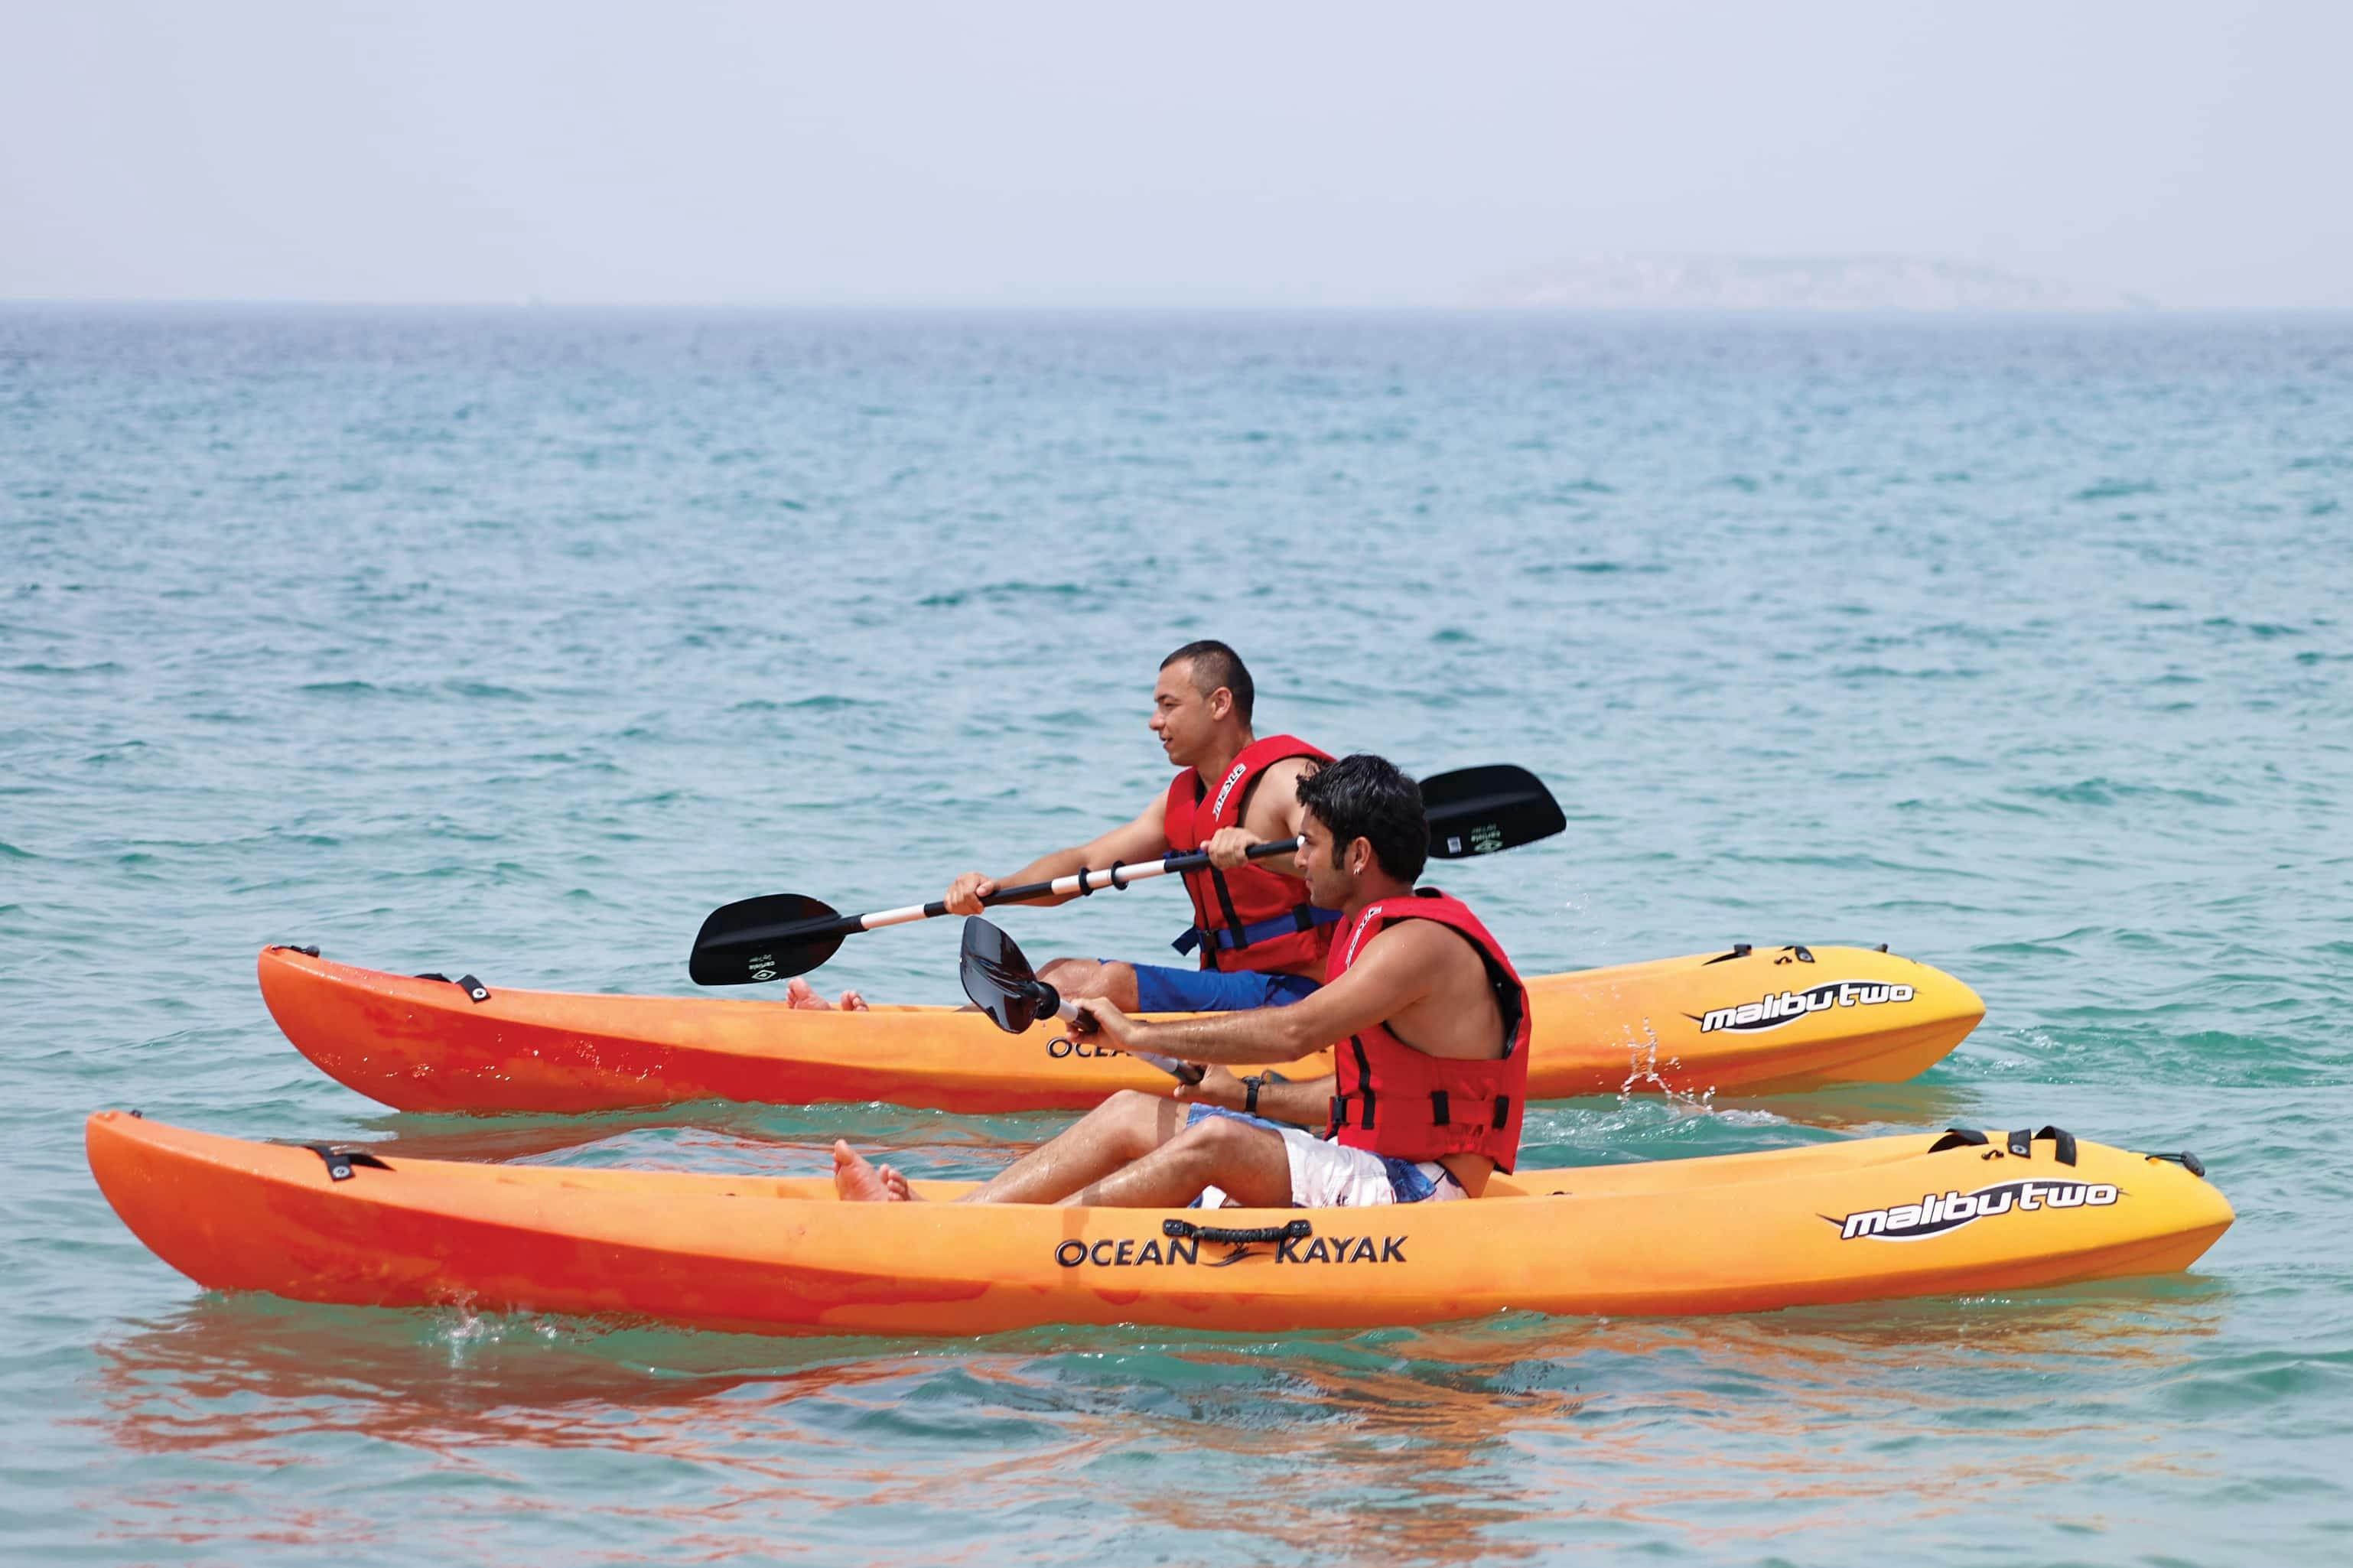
1742, 1021
1865, 1219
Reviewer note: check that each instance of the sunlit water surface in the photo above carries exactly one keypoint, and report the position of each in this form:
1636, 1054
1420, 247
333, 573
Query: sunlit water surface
513, 642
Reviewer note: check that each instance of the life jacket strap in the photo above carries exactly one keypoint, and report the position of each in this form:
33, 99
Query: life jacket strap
1441, 1109
1303, 917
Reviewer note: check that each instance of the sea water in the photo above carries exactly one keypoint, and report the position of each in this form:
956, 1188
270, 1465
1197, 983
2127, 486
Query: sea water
511, 642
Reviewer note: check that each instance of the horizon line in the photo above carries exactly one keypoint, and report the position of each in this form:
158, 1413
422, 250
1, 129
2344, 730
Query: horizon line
914, 306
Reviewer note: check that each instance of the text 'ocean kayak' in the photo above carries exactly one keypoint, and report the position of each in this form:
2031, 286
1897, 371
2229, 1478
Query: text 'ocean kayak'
1743, 1022
1858, 1220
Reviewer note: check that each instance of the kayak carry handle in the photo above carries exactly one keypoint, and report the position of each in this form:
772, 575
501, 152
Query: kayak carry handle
1186, 1230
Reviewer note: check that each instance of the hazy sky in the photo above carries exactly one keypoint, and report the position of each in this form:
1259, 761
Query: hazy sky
1201, 154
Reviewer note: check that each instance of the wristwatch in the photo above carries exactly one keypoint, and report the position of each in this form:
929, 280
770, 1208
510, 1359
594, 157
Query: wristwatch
1250, 1086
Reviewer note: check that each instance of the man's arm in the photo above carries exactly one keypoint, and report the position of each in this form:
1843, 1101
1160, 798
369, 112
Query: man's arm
1145, 838
1390, 975
1306, 1103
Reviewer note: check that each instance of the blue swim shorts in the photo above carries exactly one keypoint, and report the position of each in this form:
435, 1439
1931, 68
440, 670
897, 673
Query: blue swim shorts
1162, 989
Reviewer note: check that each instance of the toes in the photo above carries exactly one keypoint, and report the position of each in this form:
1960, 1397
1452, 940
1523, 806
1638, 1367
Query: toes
855, 1181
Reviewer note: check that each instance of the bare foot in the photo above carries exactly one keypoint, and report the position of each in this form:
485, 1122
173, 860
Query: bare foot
799, 993
855, 1179
900, 1189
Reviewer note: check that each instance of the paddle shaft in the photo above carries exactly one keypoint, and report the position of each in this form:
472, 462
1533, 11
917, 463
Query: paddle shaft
1086, 879
1182, 1071
1470, 811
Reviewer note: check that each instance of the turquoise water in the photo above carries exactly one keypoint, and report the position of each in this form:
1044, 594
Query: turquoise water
513, 642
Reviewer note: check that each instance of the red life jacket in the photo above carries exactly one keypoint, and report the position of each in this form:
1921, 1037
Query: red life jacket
1248, 918
1408, 1105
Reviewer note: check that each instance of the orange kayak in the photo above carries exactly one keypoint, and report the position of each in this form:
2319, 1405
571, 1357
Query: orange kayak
1859, 1220
1747, 1021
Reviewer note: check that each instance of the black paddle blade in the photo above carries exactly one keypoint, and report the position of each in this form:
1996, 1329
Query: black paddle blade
772, 938
999, 980
1477, 811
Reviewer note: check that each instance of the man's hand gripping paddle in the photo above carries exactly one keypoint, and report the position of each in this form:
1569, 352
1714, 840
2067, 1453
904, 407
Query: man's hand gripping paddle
1002, 985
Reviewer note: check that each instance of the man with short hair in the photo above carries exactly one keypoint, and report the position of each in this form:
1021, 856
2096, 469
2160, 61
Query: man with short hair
1429, 1021
1261, 940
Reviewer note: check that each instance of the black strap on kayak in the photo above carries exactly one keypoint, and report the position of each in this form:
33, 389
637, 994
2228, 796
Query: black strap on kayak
2066, 1141
341, 1160
1739, 950
289, 947
2021, 1143
1957, 1138
2186, 1159
466, 982
1186, 1230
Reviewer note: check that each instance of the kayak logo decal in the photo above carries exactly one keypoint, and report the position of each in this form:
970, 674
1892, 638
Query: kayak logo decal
1061, 1047
1128, 1253
1788, 1006
1934, 1216
1125, 1253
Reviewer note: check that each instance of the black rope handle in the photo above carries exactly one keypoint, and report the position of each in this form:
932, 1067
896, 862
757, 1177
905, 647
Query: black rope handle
1186, 1230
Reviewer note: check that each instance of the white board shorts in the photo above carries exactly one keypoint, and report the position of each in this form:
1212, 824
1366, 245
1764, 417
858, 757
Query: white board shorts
1328, 1175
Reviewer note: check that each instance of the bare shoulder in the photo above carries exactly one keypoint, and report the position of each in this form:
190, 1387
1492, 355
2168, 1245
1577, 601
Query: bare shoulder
1450, 1009
1274, 808
1282, 779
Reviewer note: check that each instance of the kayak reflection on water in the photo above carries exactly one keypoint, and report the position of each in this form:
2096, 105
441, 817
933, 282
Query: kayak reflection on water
1428, 1098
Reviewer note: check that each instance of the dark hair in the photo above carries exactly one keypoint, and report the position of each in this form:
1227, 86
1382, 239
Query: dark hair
1215, 665
1365, 797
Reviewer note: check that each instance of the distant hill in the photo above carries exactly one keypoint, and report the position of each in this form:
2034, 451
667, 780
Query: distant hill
1834, 283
